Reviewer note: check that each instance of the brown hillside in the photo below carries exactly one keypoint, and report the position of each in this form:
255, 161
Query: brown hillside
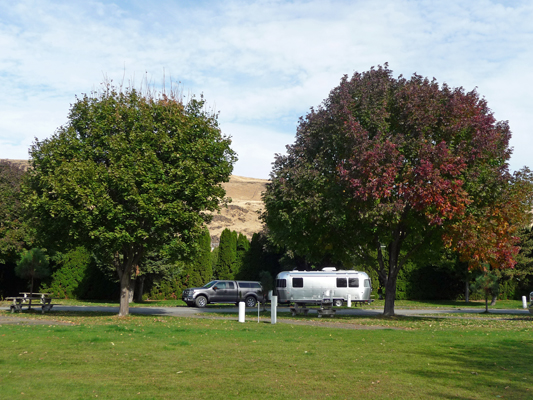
242, 213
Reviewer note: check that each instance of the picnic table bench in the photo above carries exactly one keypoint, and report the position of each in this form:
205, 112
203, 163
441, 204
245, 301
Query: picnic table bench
299, 309
42, 300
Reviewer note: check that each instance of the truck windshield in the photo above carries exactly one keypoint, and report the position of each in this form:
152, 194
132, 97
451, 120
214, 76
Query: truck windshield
208, 285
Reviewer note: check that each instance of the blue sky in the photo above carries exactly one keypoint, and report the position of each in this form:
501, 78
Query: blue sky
261, 64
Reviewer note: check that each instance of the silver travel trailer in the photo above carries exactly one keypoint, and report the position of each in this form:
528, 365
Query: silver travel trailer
309, 287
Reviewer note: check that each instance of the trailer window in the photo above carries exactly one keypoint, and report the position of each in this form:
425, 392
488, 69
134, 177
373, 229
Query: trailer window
297, 282
281, 283
341, 282
354, 282
367, 283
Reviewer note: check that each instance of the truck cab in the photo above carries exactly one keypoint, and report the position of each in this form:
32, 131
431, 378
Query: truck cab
224, 291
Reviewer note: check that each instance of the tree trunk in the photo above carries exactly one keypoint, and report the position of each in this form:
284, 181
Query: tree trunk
124, 309
132, 290
390, 295
467, 293
139, 291
493, 301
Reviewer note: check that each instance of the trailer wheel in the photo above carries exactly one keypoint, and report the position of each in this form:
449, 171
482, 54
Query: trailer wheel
250, 301
200, 301
337, 303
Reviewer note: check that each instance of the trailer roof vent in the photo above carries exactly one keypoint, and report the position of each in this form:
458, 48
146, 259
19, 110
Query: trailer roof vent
329, 269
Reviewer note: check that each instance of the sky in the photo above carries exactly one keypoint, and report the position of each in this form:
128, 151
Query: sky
260, 64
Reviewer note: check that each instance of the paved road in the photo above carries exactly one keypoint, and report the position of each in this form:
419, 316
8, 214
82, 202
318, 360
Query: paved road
191, 311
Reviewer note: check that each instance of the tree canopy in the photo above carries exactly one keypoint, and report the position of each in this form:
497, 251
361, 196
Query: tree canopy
129, 173
388, 169
14, 233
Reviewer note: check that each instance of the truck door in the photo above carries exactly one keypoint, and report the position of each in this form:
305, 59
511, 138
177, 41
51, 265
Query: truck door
220, 292
231, 292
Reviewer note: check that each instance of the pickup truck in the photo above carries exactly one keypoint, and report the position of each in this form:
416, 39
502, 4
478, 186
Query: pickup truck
222, 291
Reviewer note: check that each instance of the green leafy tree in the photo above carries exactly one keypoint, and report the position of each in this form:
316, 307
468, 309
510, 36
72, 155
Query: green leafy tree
129, 173
33, 264
388, 169
203, 259
198, 271
242, 249
70, 271
487, 285
14, 233
227, 255
261, 256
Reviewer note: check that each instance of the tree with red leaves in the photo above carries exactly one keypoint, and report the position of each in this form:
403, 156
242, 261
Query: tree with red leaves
387, 170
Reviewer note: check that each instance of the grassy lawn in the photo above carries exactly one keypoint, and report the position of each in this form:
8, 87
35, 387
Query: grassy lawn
146, 357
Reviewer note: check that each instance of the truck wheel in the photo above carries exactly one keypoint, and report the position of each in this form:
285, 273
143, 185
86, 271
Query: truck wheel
250, 301
200, 301
337, 303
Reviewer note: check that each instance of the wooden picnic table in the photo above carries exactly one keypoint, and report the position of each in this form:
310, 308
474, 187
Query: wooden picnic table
43, 300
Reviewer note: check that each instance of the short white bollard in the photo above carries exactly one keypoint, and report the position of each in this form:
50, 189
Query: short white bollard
349, 301
273, 309
242, 311
524, 301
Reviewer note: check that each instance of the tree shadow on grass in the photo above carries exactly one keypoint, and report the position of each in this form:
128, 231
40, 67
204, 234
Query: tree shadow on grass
488, 367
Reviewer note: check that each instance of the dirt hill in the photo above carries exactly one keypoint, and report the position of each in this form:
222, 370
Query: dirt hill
242, 213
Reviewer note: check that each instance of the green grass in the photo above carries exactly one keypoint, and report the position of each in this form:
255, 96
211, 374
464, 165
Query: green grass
147, 357
421, 304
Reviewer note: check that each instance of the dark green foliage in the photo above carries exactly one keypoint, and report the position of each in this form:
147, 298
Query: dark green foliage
432, 282
33, 264
214, 261
76, 275
487, 285
14, 233
243, 246
267, 281
69, 271
261, 256
199, 271
227, 255
203, 259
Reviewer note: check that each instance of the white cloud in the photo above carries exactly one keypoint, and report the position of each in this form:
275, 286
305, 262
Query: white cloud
263, 63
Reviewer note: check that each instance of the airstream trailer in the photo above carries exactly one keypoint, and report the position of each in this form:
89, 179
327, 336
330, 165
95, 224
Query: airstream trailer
308, 287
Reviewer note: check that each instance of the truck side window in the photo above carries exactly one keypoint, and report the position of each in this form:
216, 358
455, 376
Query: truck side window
341, 282
221, 285
244, 285
297, 282
231, 285
354, 282
281, 283
255, 285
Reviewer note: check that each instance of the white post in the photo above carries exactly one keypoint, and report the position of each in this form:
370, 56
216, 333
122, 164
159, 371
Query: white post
349, 301
524, 301
242, 309
258, 310
273, 309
